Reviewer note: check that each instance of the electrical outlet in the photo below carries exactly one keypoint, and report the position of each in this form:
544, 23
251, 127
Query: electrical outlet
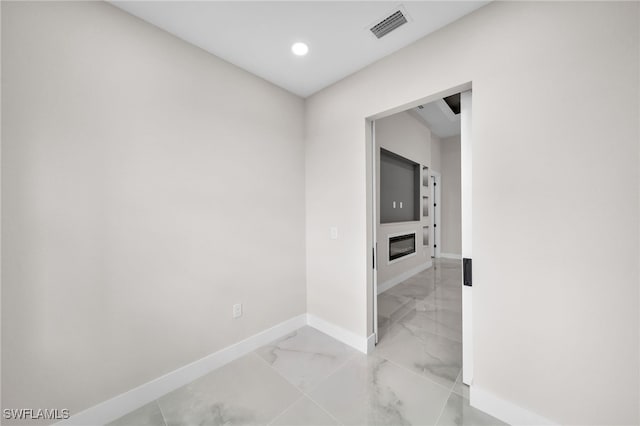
334, 233
237, 310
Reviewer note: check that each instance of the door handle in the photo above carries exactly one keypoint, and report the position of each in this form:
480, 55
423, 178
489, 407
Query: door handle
467, 278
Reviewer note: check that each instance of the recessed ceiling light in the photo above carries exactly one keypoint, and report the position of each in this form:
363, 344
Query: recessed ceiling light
299, 49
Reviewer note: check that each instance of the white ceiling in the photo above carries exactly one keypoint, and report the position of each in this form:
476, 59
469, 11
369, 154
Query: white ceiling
257, 36
440, 119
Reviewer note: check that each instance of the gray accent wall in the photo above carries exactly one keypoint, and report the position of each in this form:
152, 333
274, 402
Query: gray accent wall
399, 188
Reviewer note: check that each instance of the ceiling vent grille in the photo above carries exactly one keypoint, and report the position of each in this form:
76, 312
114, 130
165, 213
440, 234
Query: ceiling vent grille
388, 24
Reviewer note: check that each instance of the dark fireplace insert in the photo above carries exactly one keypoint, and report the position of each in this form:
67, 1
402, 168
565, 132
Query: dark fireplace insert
402, 245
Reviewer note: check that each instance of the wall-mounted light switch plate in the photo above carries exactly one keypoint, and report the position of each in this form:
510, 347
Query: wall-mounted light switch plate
237, 310
334, 233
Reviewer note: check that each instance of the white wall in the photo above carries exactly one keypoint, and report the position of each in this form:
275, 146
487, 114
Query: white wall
408, 137
555, 301
146, 187
450, 210
435, 153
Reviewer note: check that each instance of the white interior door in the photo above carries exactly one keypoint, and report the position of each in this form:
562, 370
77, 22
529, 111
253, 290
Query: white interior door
467, 306
436, 228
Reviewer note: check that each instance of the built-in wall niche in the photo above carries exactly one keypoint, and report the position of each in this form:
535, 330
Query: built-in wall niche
425, 206
399, 188
425, 236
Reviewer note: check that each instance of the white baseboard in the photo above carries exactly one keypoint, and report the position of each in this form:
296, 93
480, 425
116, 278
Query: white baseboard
124, 403
451, 256
505, 410
403, 276
347, 337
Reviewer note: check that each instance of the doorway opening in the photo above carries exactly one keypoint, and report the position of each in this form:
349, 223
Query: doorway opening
419, 309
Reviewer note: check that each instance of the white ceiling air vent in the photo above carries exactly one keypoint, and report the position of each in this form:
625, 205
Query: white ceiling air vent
389, 24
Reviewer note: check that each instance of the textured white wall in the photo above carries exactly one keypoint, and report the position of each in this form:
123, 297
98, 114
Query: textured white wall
146, 187
556, 276
436, 144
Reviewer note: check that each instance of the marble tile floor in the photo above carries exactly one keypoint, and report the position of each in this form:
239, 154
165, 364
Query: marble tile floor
308, 378
428, 338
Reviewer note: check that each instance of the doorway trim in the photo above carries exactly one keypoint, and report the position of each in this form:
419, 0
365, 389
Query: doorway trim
374, 227
466, 167
371, 214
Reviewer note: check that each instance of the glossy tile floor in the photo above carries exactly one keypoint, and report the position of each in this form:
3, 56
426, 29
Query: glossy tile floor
309, 378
